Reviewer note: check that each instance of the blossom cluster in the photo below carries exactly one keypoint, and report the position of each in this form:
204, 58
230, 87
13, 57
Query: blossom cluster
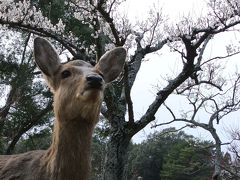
218, 15
87, 12
27, 14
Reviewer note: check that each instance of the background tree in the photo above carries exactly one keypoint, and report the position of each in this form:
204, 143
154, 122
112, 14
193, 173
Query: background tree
170, 155
100, 27
231, 159
215, 104
27, 103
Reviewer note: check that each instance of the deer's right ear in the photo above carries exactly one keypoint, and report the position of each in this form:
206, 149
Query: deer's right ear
111, 63
46, 56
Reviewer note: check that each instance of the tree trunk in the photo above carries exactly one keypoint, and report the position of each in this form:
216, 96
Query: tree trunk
116, 156
218, 155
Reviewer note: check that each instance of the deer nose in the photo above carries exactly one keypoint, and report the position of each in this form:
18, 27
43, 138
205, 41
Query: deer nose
94, 81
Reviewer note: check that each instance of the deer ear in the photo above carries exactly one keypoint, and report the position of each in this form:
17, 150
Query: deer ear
46, 56
111, 63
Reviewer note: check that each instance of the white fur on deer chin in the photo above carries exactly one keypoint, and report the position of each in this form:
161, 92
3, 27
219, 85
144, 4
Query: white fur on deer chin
90, 95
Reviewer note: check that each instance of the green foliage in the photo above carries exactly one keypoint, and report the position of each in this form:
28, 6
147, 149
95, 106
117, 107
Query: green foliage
28, 102
98, 154
170, 156
187, 161
38, 139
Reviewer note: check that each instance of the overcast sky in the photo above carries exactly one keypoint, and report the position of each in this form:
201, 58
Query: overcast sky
165, 63
175, 9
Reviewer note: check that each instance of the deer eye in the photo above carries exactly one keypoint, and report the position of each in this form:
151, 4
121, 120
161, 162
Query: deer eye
65, 74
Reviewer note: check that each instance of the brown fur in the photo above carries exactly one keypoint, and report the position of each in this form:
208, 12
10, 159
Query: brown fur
76, 108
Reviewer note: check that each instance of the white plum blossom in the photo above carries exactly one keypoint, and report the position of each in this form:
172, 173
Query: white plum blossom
27, 14
105, 19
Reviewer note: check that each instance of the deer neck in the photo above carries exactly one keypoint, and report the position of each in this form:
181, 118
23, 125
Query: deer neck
69, 155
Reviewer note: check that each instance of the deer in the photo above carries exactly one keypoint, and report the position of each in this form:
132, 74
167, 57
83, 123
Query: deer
78, 92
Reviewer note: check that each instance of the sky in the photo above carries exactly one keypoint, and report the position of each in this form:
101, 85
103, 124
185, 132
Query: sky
165, 63
174, 9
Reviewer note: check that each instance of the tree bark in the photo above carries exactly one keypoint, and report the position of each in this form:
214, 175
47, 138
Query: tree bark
116, 156
218, 155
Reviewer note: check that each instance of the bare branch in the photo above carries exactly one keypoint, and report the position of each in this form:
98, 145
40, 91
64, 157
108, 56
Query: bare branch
41, 32
173, 131
220, 57
127, 95
169, 109
25, 47
202, 49
119, 41
154, 28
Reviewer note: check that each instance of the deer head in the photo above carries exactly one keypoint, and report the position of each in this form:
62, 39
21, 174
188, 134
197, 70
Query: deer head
77, 85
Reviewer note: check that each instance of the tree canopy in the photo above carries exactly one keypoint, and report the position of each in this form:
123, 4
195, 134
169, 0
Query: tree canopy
171, 155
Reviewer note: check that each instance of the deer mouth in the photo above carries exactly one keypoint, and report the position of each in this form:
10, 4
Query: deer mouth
91, 89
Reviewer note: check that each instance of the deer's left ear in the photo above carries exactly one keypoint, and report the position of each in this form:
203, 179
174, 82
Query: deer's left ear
111, 63
46, 57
